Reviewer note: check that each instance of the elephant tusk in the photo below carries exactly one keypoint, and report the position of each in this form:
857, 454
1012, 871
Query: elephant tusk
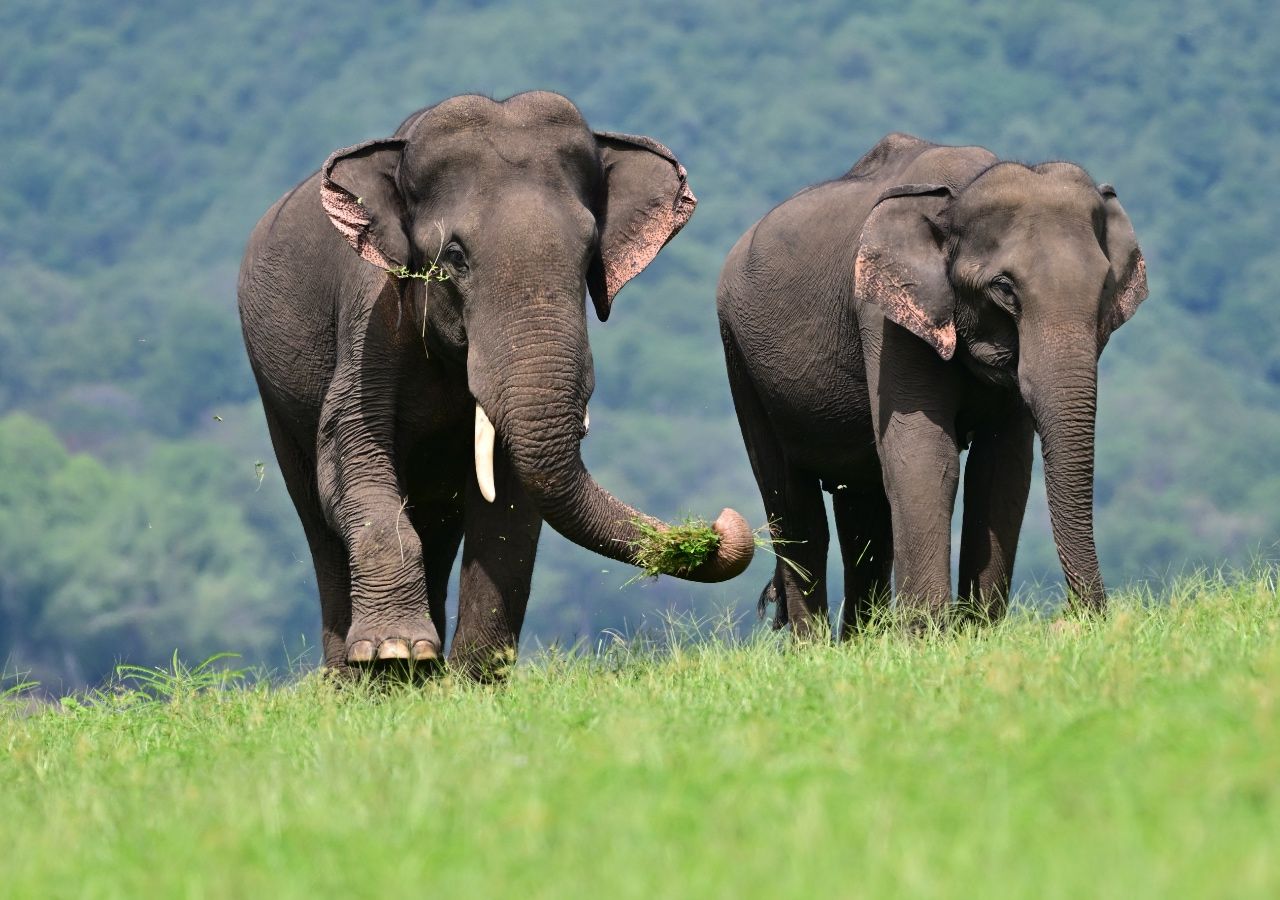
484, 454
586, 421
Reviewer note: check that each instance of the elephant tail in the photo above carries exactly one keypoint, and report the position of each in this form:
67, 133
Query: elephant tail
772, 594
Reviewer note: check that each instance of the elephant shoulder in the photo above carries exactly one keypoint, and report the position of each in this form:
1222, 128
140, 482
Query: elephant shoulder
294, 242
891, 152
736, 260
299, 207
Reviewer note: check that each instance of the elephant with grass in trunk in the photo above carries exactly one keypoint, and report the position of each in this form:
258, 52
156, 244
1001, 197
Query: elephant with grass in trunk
414, 315
933, 299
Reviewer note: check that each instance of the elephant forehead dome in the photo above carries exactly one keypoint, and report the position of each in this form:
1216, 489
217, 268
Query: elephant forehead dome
472, 140
470, 111
1063, 190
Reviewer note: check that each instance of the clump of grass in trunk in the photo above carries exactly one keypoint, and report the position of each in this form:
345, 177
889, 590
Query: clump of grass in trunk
677, 550
681, 548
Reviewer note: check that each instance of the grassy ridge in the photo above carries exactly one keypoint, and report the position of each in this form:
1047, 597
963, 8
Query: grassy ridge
1132, 757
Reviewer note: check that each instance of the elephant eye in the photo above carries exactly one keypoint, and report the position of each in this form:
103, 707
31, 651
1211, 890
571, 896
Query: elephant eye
454, 257
1003, 293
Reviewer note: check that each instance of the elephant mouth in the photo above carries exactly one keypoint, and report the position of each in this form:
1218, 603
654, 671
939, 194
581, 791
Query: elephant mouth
485, 438
991, 365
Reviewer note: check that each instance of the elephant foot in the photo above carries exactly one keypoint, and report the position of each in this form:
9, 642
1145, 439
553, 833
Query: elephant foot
485, 664
920, 620
364, 651
394, 648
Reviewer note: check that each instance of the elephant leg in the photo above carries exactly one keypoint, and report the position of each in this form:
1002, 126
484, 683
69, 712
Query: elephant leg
914, 400
793, 505
498, 552
865, 529
439, 528
333, 580
798, 518
362, 497
921, 477
997, 478
328, 553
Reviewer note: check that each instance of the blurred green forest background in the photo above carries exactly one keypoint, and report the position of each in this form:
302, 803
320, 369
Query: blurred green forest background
140, 506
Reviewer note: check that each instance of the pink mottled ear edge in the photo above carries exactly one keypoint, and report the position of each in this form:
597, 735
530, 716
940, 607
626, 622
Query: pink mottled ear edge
1133, 290
1128, 267
367, 168
882, 282
901, 268
648, 202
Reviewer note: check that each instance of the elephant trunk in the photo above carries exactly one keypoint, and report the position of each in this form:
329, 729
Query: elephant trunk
1060, 383
538, 410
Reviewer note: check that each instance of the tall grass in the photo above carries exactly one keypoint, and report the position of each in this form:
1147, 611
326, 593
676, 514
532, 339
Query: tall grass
1134, 756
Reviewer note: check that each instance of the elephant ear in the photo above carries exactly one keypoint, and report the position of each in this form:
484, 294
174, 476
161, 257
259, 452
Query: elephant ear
902, 267
358, 191
646, 202
1128, 267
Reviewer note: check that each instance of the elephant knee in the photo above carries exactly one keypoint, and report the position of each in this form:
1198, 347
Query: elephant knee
379, 543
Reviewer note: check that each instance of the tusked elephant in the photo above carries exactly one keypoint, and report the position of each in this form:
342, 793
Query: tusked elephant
414, 315
933, 298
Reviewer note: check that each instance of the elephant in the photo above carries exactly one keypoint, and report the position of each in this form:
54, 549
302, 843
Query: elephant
934, 298
414, 314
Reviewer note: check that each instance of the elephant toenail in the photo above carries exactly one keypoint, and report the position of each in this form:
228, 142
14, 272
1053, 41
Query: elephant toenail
393, 648
424, 651
360, 652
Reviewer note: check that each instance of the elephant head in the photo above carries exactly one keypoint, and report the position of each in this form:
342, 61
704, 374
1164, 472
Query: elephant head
1022, 274
512, 212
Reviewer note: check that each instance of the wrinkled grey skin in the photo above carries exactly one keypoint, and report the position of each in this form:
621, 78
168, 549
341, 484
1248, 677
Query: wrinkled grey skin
370, 382
932, 299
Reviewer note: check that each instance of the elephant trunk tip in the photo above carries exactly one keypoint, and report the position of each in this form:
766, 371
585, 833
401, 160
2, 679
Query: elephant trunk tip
736, 547
734, 552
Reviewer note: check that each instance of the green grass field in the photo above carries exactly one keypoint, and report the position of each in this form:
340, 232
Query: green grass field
1138, 756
